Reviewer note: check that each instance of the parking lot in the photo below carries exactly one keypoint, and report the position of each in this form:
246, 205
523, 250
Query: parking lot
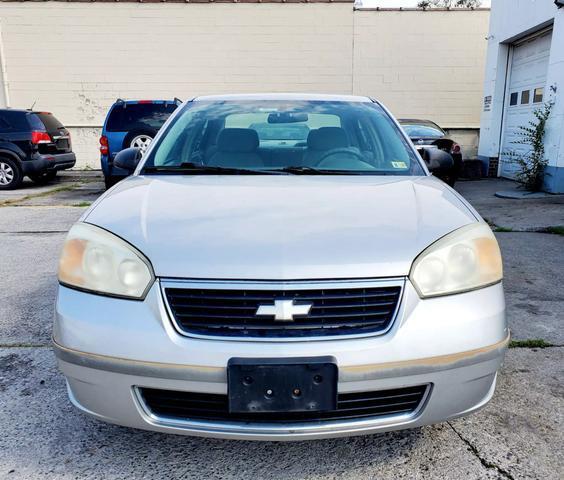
518, 435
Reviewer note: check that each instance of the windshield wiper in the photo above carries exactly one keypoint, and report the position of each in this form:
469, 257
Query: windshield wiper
194, 168
300, 170
304, 170
198, 169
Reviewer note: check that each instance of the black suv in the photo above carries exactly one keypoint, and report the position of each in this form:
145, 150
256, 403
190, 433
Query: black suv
32, 143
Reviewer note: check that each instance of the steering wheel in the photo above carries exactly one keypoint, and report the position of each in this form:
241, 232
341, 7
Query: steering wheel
341, 151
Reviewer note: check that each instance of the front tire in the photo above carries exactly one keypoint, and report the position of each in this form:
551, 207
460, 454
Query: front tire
43, 178
10, 174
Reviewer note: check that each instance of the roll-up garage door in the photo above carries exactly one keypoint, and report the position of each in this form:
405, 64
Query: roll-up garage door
526, 92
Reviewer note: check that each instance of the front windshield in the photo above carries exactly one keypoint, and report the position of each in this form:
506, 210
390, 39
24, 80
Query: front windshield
276, 136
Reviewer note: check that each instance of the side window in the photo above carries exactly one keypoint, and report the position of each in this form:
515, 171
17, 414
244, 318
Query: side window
15, 121
524, 97
513, 99
35, 122
178, 141
4, 124
538, 96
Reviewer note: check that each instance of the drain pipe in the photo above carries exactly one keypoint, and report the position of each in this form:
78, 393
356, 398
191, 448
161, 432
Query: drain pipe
4, 93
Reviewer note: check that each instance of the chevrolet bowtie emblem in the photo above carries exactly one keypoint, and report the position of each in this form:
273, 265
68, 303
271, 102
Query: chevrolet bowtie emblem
284, 310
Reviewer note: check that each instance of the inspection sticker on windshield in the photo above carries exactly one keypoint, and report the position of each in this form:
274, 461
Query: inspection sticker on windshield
399, 164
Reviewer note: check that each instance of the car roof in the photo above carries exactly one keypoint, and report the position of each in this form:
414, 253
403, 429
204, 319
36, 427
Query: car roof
19, 110
148, 101
417, 121
283, 96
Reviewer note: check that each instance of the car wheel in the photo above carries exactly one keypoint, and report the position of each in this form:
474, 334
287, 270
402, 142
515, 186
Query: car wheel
43, 178
140, 139
10, 174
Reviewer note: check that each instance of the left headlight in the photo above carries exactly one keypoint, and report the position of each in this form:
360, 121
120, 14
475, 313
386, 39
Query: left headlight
463, 260
93, 259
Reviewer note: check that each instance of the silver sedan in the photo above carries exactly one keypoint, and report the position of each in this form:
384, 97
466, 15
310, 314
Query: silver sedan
280, 267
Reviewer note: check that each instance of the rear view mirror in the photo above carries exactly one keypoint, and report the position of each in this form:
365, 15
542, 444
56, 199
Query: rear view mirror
128, 159
287, 117
437, 160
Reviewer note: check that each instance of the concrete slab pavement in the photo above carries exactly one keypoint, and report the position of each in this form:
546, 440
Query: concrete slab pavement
30, 188
534, 285
68, 189
533, 262
528, 214
521, 432
31, 238
29, 287
38, 219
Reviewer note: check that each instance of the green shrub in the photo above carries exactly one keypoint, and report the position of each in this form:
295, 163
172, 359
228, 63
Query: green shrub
533, 163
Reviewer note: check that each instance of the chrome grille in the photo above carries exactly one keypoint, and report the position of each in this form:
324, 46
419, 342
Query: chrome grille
334, 311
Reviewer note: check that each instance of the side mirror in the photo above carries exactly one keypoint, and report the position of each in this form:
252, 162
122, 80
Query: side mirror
436, 159
128, 159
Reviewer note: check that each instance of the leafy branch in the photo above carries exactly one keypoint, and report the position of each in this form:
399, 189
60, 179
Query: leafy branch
533, 163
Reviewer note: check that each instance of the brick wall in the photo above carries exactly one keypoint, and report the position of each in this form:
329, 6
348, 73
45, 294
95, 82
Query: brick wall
76, 58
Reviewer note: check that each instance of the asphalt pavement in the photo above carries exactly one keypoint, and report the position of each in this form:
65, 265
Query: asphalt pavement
518, 435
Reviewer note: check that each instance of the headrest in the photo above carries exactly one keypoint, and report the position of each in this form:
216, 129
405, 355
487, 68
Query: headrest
327, 138
237, 140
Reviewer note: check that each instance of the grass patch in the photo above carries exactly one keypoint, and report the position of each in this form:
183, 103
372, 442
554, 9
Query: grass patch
82, 204
502, 229
533, 343
558, 230
15, 201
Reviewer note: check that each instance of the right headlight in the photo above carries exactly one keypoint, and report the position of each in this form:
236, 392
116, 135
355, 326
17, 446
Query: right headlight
463, 260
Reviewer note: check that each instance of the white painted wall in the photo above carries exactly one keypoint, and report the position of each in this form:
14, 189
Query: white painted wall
511, 20
423, 63
76, 58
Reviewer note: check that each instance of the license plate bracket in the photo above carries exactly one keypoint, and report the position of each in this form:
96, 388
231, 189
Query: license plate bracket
261, 385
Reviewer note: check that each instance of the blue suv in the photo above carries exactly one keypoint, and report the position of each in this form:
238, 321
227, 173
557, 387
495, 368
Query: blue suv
130, 123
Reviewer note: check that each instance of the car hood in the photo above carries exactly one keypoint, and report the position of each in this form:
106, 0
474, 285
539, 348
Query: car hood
280, 227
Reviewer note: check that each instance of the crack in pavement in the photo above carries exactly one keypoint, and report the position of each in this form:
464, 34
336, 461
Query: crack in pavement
483, 461
28, 232
517, 344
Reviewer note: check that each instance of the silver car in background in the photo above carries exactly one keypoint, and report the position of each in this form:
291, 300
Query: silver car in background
280, 267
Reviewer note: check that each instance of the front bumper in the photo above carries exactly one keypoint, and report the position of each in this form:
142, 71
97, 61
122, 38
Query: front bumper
107, 348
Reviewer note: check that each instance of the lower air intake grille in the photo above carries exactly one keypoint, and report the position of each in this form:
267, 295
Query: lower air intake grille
340, 311
213, 407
